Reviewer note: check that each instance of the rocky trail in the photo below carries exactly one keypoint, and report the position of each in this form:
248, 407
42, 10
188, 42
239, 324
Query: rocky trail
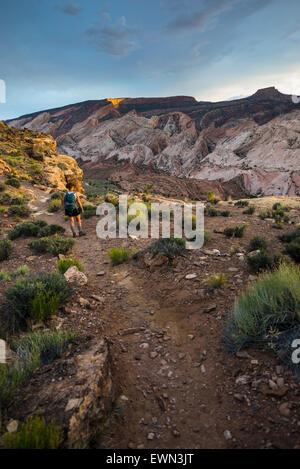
176, 386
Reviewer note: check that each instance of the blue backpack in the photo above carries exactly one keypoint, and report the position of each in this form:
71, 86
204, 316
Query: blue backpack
70, 202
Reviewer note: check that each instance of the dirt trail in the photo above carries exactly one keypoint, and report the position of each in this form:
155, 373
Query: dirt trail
175, 382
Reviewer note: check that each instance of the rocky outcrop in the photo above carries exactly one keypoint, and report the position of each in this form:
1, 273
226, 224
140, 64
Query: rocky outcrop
79, 402
33, 156
251, 143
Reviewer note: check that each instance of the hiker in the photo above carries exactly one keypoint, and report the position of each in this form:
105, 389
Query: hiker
73, 209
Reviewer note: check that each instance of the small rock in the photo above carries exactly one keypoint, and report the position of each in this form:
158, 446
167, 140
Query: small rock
153, 355
151, 436
12, 426
100, 274
253, 253
191, 276
144, 346
176, 433
242, 380
73, 404
227, 435
84, 303
243, 354
284, 409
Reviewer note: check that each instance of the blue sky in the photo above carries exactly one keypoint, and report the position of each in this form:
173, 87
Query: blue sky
54, 53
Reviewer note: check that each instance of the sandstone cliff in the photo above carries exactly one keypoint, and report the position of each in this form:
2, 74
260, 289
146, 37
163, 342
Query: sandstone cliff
32, 156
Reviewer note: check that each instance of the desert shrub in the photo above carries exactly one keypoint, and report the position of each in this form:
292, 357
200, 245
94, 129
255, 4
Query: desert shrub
34, 433
35, 297
250, 210
225, 213
2, 210
212, 212
263, 261
216, 280
5, 250
235, 250
13, 181
168, 247
17, 201
258, 243
270, 304
235, 232
241, 203
26, 229
22, 270
2, 187
64, 264
5, 198
54, 205
89, 210
19, 210
279, 225
293, 250
290, 236
5, 276
53, 244
207, 236
118, 256
57, 195
43, 347
51, 230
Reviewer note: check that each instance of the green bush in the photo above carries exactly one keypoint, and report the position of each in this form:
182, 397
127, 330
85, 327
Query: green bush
5, 250
19, 210
235, 232
34, 297
54, 245
241, 203
250, 211
34, 433
258, 243
2, 187
290, 236
13, 181
270, 304
26, 229
64, 264
216, 280
55, 205
263, 261
225, 213
51, 230
5, 198
212, 212
118, 256
293, 250
5, 276
169, 247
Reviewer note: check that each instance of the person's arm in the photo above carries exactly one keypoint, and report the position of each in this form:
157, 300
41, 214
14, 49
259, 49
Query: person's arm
79, 202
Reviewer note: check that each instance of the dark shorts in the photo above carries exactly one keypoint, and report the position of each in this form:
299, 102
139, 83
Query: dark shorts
74, 213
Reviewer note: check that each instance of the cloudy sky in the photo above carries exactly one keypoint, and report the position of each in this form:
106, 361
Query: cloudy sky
54, 53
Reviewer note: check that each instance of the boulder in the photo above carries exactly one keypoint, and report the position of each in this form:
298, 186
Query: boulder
74, 276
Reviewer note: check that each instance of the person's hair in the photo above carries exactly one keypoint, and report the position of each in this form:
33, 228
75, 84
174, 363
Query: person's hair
69, 186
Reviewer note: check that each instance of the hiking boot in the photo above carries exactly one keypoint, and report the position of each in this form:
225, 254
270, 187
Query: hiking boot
74, 235
81, 233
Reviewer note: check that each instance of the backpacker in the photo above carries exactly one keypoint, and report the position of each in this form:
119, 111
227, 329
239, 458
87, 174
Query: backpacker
70, 202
